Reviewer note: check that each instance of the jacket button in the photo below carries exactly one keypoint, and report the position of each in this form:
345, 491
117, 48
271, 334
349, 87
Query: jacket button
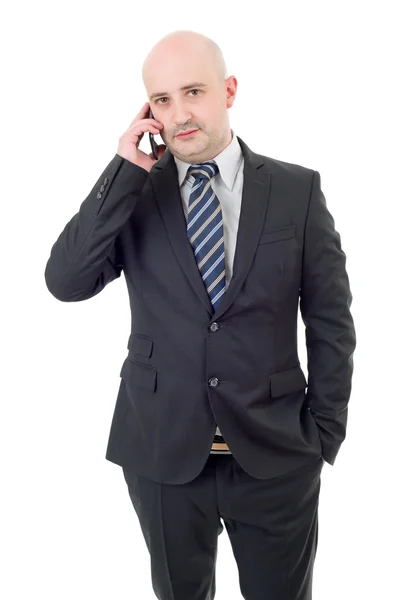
105, 181
102, 188
214, 327
98, 196
213, 382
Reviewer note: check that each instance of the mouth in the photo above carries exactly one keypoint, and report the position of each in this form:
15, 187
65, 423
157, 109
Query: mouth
186, 134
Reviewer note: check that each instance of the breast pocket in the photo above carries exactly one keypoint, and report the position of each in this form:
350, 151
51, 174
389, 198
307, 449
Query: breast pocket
276, 271
278, 235
279, 254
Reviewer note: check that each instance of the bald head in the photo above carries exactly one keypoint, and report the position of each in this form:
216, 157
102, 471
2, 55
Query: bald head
189, 92
179, 44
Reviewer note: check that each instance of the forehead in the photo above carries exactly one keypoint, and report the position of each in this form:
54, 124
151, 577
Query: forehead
172, 72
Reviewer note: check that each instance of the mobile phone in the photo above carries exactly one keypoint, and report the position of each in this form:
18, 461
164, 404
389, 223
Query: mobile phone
151, 136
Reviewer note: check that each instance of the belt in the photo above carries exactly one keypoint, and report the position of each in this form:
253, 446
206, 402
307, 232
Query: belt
219, 443
219, 446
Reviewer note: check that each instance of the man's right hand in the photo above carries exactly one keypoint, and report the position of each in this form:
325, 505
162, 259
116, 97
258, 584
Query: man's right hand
129, 142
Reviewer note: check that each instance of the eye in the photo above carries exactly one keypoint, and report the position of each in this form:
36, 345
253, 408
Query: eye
164, 97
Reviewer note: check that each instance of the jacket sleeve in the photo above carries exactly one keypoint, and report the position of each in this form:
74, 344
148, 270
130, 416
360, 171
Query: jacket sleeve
87, 256
325, 300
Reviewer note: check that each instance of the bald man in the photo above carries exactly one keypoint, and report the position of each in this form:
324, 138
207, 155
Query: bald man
215, 422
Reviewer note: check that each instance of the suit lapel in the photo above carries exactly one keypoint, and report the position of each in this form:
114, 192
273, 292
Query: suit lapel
256, 188
168, 197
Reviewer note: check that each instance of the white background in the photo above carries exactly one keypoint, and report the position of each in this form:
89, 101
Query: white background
316, 87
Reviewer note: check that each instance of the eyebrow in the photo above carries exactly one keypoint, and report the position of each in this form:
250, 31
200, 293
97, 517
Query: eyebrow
196, 84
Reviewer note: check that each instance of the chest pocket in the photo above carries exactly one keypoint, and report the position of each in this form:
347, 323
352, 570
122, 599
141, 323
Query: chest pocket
277, 235
275, 274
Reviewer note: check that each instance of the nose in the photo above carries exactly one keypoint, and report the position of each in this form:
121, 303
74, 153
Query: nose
181, 115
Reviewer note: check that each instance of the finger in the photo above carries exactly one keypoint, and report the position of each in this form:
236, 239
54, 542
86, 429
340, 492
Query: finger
143, 111
141, 114
144, 125
139, 129
151, 124
154, 122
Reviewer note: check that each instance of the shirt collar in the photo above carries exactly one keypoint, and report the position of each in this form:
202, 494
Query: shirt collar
228, 162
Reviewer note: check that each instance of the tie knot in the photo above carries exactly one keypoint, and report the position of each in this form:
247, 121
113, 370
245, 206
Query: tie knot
204, 170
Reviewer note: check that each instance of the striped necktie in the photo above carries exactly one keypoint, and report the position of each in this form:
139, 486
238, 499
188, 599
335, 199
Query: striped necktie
206, 231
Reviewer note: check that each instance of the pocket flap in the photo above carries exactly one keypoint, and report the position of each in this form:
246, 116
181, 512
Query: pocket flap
283, 233
139, 344
137, 374
287, 382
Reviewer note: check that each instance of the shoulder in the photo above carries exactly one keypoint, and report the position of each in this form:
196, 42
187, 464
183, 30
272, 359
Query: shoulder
281, 168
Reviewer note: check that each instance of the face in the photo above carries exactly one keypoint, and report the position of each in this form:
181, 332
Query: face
202, 108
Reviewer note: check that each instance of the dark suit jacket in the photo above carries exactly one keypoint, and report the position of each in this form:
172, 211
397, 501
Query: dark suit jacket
188, 369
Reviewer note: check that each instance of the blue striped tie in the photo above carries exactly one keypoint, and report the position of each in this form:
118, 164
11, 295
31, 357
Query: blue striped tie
206, 231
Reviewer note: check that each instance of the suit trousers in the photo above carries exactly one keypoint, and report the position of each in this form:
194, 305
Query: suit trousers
272, 527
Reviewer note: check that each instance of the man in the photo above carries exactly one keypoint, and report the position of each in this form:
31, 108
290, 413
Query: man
218, 245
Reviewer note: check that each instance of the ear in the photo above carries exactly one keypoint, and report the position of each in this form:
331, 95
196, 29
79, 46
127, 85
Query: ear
231, 90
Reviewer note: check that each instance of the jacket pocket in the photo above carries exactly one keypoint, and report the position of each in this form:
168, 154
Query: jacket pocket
138, 374
140, 344
287, 382
276, 235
